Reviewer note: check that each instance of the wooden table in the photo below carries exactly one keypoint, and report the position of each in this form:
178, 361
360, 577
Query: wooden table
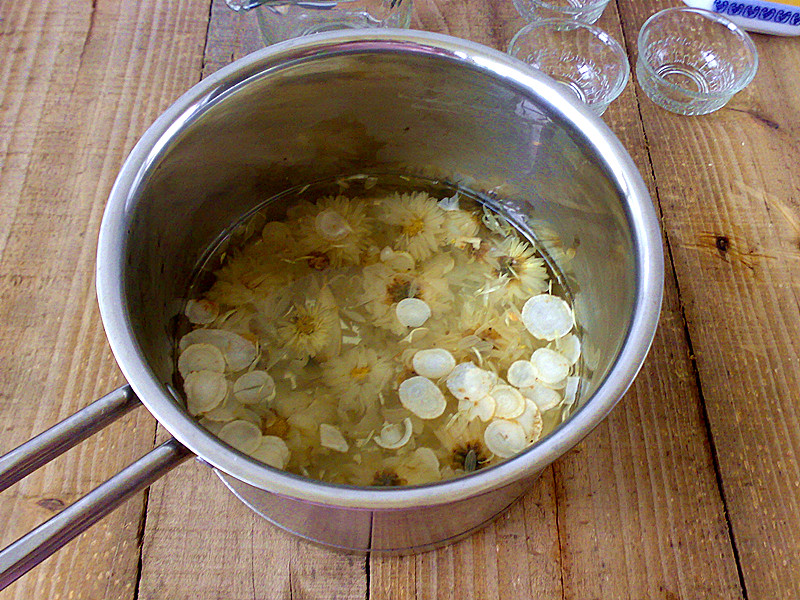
689, 490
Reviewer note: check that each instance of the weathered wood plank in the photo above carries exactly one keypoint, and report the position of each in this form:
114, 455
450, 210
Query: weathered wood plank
81, 82
729, 189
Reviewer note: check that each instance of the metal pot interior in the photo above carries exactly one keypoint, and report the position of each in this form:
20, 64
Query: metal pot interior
401, 103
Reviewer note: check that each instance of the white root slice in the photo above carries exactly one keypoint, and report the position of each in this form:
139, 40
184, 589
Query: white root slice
550, 366
398, 260
571, 390
242, 435
331, 225
394, 436
201, 312
331, 437
570, 347
433, 363
510, 402
531, 421
484, 409
204, 390
412, 312
200, 357
421, 396
521, 374
239, 352
468, 382
254, 387
544, 397
505, 438
272, 451
547, 317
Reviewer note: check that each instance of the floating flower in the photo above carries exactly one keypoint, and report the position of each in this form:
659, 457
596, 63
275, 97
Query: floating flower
336, 229
517, 273
357, 376
312, 328
421, 223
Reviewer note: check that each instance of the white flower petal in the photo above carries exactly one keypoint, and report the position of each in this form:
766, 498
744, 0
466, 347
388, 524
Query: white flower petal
254, 387
550, 366
505, 438
412, 312
433, 363
547, 317
242, 435
200, 357
571, 390
421, 396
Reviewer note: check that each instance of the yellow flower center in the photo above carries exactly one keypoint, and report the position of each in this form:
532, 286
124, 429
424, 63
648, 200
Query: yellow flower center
358, 373
414, 228
305, 324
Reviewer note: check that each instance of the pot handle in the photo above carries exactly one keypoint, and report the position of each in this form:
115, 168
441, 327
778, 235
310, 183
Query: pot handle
32, 548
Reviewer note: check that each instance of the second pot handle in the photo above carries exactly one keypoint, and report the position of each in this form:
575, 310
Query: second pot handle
32, 548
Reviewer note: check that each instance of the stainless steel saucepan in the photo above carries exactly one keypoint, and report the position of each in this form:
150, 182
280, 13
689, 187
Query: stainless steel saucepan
320, 107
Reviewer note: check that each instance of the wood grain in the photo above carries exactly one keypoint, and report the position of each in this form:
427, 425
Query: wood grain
82, 80
729, 189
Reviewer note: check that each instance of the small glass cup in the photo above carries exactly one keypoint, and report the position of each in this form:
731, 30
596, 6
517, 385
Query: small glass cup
584, 58
692, 61
281, 20
586, 11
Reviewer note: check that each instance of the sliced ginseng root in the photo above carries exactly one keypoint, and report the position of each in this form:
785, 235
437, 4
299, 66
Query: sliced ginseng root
505, 438
550, 366
421, 396
468, 382
510, 402
330, 437
200, 357
201, 312
570, 347
273, 451
412, 312
547, 317
331, 225
434, 363
242, 435
239, 352
204, 390
531, 421
521, 374
544, 397
394, 436
254, 387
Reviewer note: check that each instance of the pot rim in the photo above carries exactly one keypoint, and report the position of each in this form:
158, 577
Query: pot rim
119, 330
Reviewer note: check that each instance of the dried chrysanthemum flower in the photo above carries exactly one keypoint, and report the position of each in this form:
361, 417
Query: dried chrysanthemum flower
420, 220
387, 478
336, 227
312, 328
384, 289
517, 272
418, 467
470, 456
357, 376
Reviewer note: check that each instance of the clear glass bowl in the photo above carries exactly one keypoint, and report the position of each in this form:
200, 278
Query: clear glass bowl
584, 58
587, 11
281, 21
692, 61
